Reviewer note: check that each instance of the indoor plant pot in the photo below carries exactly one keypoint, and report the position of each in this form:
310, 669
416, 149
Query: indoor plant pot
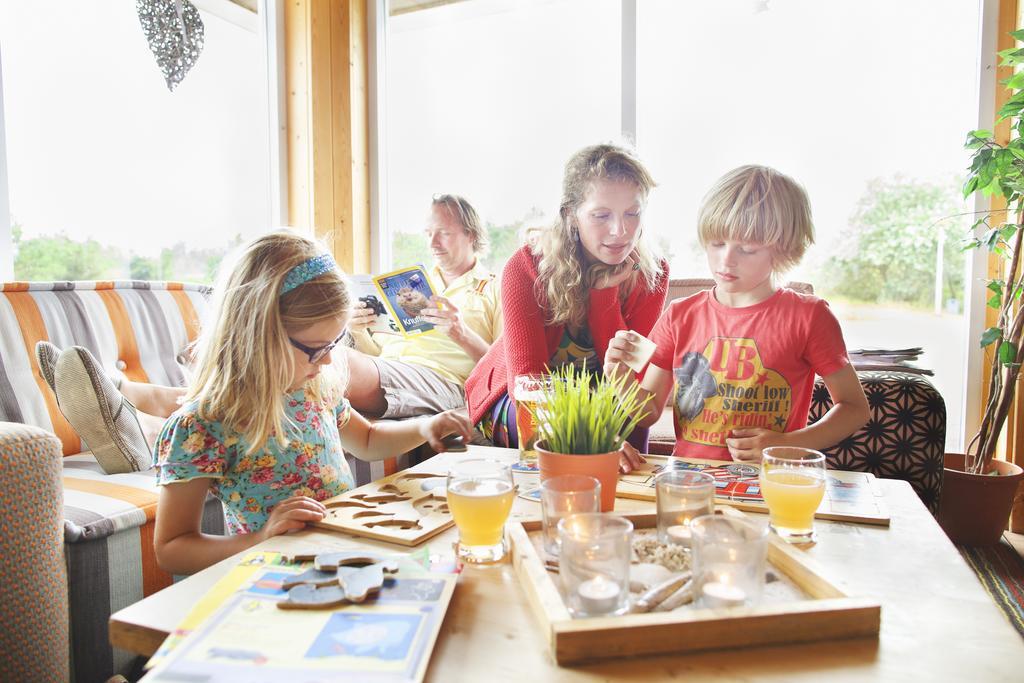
582, 421
974, 508
602, 466
997, 169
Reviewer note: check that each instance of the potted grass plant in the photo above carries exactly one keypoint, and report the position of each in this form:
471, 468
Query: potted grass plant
582, 421
978, 490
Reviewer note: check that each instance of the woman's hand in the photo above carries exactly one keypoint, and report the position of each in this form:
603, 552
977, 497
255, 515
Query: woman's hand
629, 458
362, 318
746, 444
619, 274
443, 424
292, 514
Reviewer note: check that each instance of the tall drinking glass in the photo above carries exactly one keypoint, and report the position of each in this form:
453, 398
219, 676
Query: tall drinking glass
480, 494
528, 392
793, 484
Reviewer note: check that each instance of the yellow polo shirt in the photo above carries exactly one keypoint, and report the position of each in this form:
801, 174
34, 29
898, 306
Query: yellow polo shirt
476, 294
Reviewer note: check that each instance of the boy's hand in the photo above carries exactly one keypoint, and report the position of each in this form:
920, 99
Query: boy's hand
443, 424
292, 514
746, 444
629, 458
620, 354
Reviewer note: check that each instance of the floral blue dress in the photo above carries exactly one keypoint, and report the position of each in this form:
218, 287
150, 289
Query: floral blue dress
250, 485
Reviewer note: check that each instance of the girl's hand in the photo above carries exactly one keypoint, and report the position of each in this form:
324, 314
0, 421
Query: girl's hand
443, 424
629, 458
621, 351
746, 444
292, 514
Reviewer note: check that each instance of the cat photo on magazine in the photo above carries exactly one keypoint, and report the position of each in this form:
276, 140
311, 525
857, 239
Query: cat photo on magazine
406, 293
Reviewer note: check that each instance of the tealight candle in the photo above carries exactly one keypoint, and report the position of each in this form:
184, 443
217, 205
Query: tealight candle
717, 594
598, 595
679, 533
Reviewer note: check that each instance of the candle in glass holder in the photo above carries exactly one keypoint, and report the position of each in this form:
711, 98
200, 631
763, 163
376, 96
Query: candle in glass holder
681, 496
598, 595
729, 556
594, 563
717, 594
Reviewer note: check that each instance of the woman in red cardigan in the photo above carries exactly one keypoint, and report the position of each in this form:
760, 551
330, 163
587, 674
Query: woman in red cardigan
578, 282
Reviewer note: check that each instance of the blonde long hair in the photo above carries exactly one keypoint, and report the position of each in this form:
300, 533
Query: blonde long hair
562, 279
245, 361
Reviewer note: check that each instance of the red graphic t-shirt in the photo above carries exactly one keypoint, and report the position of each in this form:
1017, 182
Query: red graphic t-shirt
743, 367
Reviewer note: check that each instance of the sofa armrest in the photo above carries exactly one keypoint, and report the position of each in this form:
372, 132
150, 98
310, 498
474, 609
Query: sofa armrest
34, 592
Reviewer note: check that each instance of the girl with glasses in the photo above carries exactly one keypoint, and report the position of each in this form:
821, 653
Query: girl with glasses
264, 422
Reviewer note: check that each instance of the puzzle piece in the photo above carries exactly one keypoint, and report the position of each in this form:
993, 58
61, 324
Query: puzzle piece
351, 585
331, 561
316, 577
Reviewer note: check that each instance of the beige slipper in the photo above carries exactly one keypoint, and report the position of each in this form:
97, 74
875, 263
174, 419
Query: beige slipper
101, 415
46, 359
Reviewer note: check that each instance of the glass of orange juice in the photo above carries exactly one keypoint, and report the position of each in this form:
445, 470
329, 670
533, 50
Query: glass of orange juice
793, 484
480, 493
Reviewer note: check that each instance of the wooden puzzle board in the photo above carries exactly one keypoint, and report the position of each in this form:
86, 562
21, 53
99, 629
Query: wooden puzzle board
406, 508
849, 496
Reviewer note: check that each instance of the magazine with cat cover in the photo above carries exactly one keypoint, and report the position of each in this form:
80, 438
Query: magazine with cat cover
365, 290
406, 293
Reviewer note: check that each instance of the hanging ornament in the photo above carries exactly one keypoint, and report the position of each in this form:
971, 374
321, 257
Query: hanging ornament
174, 31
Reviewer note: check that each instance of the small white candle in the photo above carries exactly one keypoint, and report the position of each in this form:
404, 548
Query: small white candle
598, 595
718, 594
679, 533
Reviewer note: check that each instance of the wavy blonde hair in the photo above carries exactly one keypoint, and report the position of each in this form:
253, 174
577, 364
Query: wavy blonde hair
758, 204
245, 362
563, 278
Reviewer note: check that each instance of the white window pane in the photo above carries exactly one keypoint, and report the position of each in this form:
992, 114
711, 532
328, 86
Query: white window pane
98, 148
488, 99
867, 104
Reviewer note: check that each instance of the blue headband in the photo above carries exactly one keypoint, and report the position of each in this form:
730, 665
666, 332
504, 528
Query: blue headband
306, 271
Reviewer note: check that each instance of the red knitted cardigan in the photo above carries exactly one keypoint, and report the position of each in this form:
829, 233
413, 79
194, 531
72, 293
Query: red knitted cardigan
527, 344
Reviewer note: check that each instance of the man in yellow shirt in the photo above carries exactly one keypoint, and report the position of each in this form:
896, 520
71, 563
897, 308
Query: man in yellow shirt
393, 376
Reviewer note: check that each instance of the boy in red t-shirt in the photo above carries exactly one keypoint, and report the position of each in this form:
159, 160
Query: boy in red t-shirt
739, 360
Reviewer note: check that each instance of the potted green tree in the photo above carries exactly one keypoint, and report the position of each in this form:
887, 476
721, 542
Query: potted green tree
582, 422
978, 491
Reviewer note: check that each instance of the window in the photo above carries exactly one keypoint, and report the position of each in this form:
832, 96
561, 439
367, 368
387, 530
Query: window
866, 104
113, 176
488, 99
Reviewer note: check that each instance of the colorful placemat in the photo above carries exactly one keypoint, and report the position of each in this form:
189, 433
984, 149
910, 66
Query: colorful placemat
1000, 569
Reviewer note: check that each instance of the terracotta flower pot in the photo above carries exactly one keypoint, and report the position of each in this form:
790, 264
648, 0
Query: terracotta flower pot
974, 508
602, 466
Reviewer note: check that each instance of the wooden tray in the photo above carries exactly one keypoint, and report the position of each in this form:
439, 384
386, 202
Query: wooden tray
405, 508
849, 496
827, 613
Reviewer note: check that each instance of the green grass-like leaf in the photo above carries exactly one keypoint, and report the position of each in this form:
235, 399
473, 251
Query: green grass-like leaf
582, 413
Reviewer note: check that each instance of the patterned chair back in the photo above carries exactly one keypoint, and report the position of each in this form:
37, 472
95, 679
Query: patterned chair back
138, 329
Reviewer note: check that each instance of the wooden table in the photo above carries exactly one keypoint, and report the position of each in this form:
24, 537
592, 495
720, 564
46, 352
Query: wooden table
937, 621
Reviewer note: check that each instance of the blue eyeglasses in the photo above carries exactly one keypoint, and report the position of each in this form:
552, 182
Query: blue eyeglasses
316, 353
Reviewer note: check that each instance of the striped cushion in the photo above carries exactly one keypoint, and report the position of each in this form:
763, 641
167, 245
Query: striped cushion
137, 328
